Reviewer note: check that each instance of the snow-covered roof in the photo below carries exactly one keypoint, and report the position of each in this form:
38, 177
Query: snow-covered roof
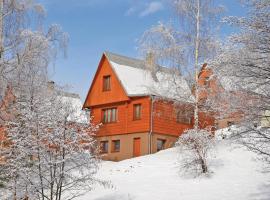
229, 83
137, 80
233, 83
77, 114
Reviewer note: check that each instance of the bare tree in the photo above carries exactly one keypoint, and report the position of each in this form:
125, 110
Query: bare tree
185, 47
19, 19
48, 156
246, 63
194, 150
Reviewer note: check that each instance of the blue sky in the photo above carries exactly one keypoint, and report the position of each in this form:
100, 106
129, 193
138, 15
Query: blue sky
95, 26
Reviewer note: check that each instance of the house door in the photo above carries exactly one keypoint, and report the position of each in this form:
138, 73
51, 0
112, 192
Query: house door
136, 147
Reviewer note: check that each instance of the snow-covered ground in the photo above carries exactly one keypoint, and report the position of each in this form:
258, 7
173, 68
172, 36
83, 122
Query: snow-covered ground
236, 176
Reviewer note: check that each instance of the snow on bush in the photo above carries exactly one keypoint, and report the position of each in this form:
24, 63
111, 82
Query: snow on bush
194, 147
226, 133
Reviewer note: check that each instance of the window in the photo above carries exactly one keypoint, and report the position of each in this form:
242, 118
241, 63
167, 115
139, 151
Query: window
207, 81
115, 145
184, 116
109, 115
255, 124
137, 109
106, 83
230, 123
216, 125
160, 144
104, 146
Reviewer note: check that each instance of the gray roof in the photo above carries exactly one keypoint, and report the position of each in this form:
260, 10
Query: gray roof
124, 60
131, 62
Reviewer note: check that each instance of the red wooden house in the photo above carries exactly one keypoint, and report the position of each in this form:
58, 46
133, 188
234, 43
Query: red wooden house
137, 107
212, 86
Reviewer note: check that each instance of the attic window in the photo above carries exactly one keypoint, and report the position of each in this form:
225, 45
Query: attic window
107, 83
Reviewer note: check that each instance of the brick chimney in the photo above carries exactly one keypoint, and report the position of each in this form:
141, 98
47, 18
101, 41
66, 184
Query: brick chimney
151, 65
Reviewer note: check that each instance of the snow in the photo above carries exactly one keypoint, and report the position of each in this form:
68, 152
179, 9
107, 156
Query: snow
77, 115
226, 132
229, 83
266, 119
236, 175
139, 82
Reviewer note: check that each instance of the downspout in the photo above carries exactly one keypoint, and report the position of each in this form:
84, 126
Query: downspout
151, 126
126, 131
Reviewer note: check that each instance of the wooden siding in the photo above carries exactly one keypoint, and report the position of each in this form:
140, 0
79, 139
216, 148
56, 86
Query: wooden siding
213, 87
206, 121
6, 115
96, 95
2, 136
164, 119
125, 122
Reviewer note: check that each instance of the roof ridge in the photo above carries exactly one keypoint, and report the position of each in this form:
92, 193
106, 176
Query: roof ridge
125, 60
132, 62
69, 94
123, 56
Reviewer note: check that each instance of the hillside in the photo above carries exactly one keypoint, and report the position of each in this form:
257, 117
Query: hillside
236, 176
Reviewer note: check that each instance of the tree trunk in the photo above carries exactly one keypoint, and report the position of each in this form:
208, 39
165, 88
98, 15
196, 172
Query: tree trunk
204, 166
197, 43
62, 167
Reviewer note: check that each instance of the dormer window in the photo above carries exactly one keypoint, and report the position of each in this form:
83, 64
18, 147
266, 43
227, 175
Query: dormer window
107, 83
